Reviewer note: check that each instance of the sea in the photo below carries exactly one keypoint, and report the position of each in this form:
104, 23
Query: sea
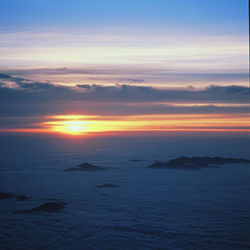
149, 208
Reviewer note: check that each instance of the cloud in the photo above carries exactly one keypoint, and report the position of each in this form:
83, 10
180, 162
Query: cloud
128, 93
239, 90
46, 98
130, 74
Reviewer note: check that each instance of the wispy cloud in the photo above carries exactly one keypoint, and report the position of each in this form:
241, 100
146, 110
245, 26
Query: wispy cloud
147, 76
30, 97
190, 53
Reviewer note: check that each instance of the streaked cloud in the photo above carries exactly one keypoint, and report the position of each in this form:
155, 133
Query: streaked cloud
164, 50
37, 98
129, 75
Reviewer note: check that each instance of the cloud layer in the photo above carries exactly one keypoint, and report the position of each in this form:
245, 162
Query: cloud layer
22, 96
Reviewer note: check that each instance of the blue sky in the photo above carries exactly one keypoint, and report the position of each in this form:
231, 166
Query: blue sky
42, 13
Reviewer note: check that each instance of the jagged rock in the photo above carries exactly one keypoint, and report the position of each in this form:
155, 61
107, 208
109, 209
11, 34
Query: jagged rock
46, 207
85, 167
107, 186
196, 163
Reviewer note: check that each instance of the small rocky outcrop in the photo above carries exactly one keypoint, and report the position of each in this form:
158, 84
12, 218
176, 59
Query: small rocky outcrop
107, 186
196, 163
135, 160
53, 199
11, 195
85, 167
45, 207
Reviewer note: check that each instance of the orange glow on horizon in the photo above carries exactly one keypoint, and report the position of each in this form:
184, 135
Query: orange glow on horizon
78, 125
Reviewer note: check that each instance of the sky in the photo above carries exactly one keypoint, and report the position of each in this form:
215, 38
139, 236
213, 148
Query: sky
80, 67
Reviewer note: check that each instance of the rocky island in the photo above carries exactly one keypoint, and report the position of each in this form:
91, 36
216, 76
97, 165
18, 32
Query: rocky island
107, 186
85, 167
196, 163
45, 207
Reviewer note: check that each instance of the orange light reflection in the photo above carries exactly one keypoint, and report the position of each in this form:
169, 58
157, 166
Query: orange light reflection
76, 125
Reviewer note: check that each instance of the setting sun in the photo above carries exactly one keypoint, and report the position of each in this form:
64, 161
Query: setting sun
74, 127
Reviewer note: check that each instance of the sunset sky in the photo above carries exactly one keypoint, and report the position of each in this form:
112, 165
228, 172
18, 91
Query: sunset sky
80, 67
